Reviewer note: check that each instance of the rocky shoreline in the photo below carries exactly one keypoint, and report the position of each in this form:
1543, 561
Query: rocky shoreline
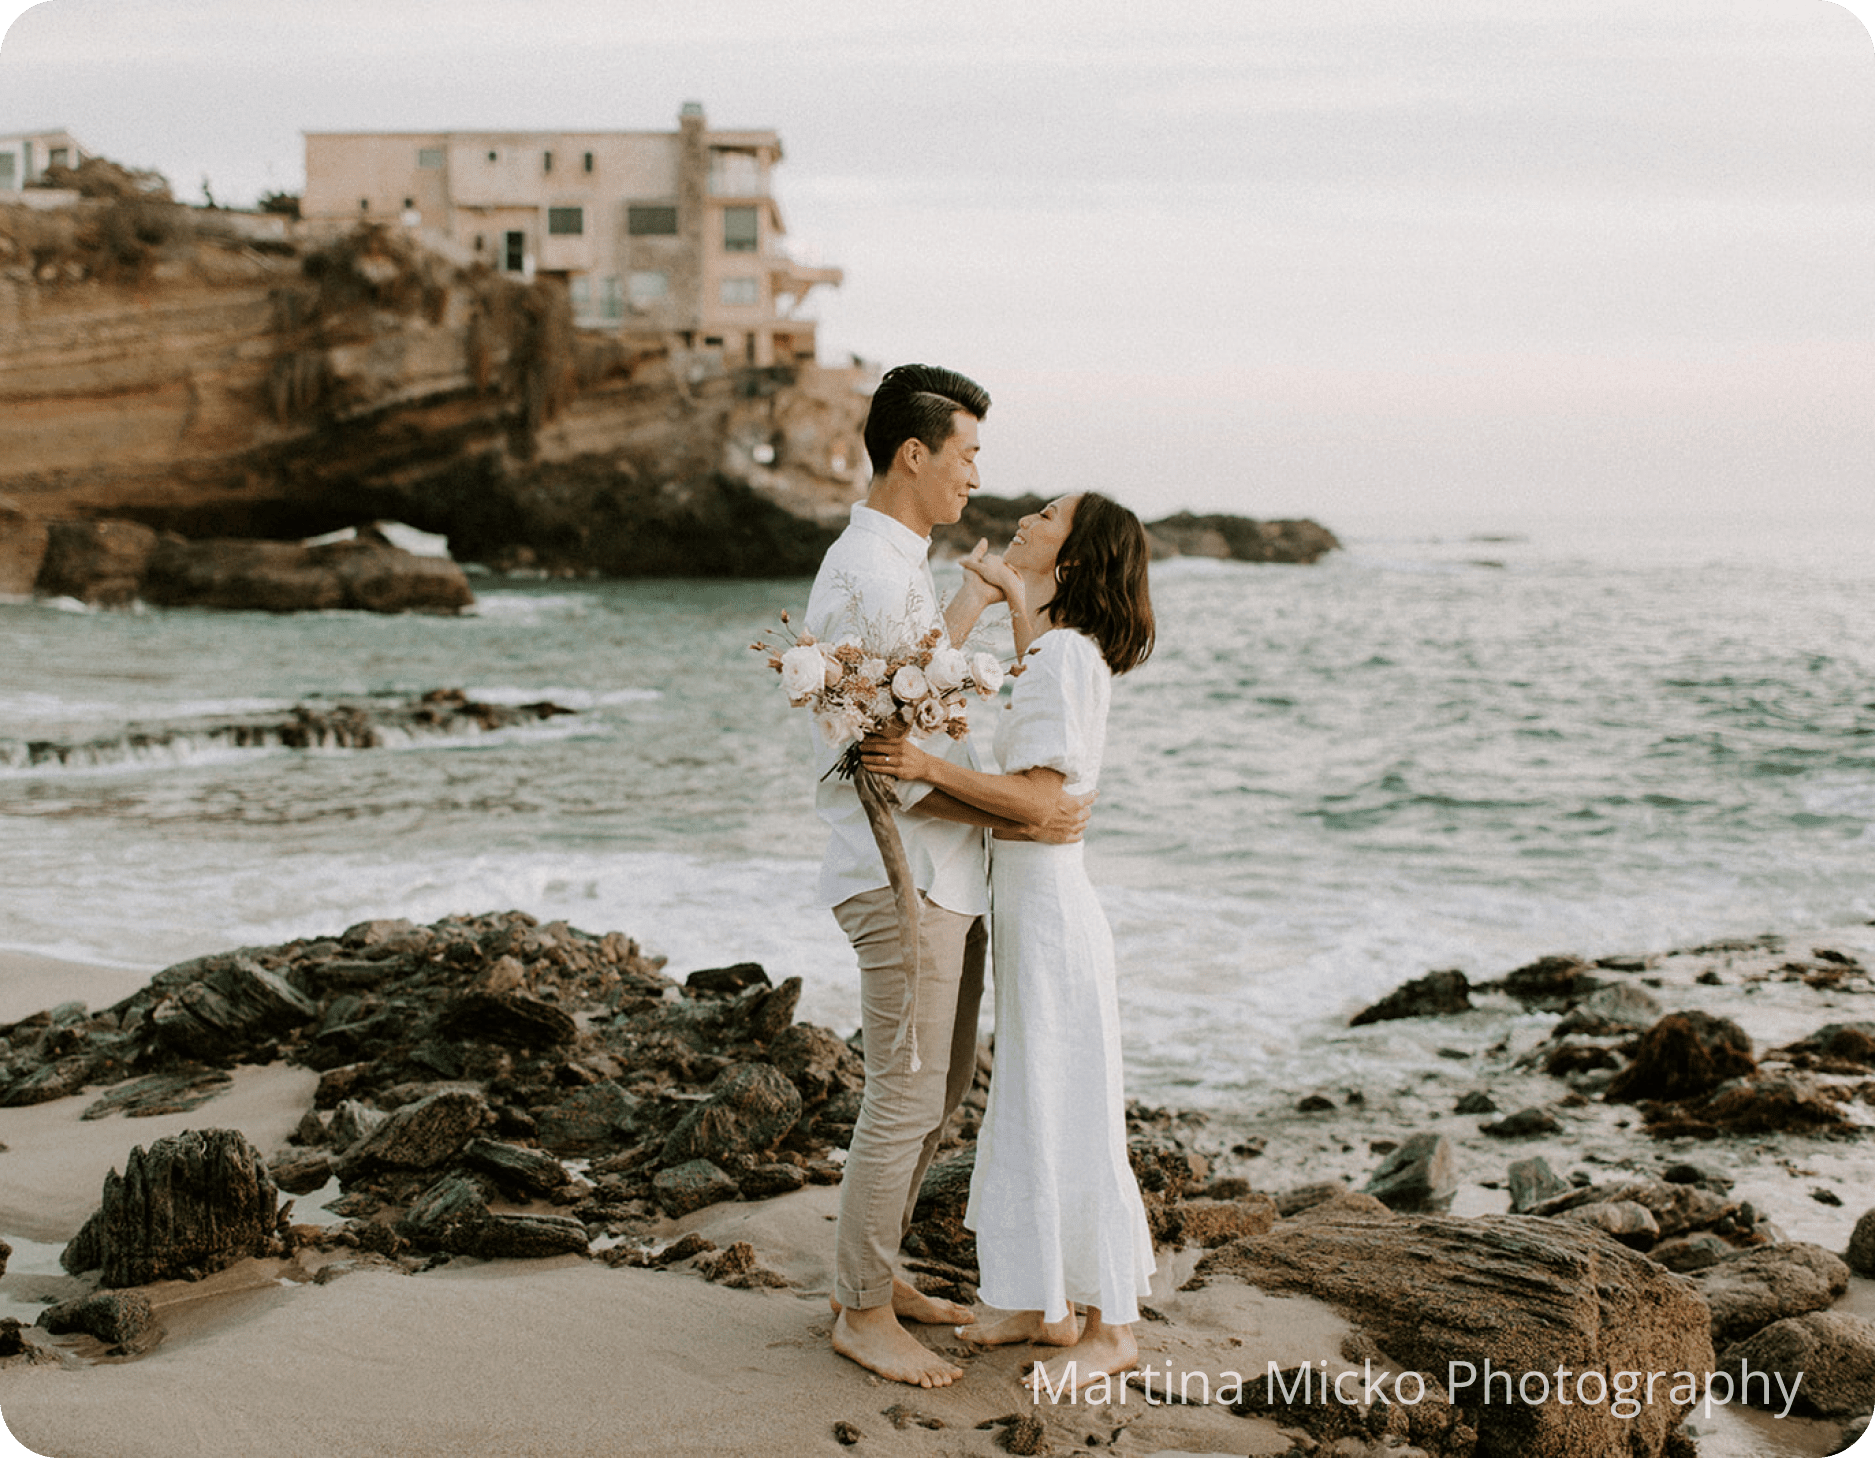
491, 1088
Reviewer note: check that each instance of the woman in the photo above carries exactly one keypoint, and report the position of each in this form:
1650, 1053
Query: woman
1053, 1200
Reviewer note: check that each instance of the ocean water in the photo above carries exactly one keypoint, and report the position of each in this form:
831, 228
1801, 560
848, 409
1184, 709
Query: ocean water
1458, 748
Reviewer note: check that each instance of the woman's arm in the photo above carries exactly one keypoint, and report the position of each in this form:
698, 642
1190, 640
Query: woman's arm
1029, 797
1063, 825
969, 601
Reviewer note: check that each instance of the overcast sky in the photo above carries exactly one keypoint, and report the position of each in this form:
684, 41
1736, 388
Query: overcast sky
1374, 261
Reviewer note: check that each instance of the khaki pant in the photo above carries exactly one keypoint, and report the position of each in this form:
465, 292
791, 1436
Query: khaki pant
902, 1113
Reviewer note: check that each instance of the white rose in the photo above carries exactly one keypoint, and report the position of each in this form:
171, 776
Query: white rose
987, 671
835, 670
908, 683
803, 670
872, 669
930, 716
947, 669
836, 728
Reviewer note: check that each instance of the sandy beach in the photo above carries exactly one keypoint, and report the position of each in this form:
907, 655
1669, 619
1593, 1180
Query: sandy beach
569, 1356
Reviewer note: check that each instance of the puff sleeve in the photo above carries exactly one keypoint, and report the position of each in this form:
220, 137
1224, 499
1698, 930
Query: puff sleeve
1057, 714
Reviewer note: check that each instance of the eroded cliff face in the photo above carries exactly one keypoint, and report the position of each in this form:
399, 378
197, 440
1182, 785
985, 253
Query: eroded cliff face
159, 369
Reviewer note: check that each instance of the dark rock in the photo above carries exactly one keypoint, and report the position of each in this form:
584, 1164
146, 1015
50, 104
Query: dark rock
1528, 1123
99, 562
1689, 1253
1861, 1253
1616, 1009
13, 1341
691, 1186
1307, 1197
1683, 1172
1828, 1355
1433, 995
750, 1108
422, 1135
1675, 1208
737, 1267
1420, 1176
846, 1434
302, 1173
121, 1319
768, 1180
1768, 1103
284, 577
1682, 1056
352, 1121
525, 1237
515, 1168
1551, 984
1754, 1288
511, 1019
444, 1216
683, 1249
1475, 1102
1241, 538
6, 1254
727, 981
1315, 1104
770, 1012
220, 1006
1631, 1224
1211, 1223
588, 1119
1532, 1181
1835, 1048
159, 1093
1528, 1294
189, 1205
817, 1062
56, 1080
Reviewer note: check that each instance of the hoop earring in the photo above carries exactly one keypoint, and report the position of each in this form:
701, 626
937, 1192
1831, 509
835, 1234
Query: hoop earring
1059, 579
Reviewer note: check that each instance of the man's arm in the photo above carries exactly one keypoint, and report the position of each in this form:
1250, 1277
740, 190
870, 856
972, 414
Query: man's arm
1064, 821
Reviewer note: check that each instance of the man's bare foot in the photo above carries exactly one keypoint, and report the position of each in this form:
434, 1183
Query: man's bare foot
1025, 1326
1109, 1349
873, 1338
912, 1304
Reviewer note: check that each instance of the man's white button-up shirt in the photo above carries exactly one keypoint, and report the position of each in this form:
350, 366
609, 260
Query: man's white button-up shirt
875, 584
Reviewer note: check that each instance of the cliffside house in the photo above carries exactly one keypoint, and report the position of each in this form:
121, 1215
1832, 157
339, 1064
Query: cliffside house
669, 233
24, 156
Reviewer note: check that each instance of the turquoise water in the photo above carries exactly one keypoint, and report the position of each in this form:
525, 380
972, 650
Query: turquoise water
1424, 751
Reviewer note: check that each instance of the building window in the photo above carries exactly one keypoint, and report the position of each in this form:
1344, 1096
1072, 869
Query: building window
735, 174
430, 157
480, 242
612, 298
579, 289
546, 161
8, 174
410, 202
494, 156
364, 204
740, 230
738, 291
566, 222
57, 157
648, 286
589, 161
650, 222
514, 251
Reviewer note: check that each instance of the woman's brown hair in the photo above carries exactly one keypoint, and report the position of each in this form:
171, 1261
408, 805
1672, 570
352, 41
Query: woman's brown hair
1100, 576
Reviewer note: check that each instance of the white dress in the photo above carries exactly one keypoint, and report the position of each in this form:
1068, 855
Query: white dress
1053, 1201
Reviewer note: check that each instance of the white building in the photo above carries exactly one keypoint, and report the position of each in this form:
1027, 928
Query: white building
671, 233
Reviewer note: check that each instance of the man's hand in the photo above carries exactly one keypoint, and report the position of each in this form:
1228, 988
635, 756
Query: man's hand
1066, 822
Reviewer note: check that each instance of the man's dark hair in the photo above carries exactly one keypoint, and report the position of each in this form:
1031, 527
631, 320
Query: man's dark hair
1101, 589
917, 402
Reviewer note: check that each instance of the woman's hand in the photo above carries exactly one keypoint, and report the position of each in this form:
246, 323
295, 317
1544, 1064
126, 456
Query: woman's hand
897, 757
993, 571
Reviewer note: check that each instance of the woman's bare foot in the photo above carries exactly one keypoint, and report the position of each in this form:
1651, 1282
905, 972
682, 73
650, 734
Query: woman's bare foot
1102, 1348
873, 1338
1024, 1326
912, 1304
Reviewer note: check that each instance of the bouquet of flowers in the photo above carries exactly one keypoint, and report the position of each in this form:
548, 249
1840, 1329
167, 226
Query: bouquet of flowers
854, 689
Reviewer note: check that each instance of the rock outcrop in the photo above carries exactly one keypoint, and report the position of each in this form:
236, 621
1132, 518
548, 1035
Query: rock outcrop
1238, 538
196, 383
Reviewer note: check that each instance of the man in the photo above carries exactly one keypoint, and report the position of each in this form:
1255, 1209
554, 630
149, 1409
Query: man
875, 584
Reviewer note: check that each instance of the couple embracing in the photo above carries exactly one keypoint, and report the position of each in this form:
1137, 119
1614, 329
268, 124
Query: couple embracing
1053, 1202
